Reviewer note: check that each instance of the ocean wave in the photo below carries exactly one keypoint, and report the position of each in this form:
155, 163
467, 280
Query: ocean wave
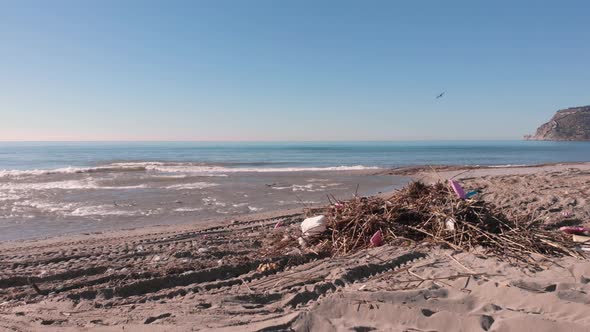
69, 170
239, 205
67, 184
508, 165
196, 185
8, 196
101, 210
213, 201
45, 206
222, 170
198, 169
310, 187
188, 209
74, 209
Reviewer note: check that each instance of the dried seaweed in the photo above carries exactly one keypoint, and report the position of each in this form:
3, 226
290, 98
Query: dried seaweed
433, 213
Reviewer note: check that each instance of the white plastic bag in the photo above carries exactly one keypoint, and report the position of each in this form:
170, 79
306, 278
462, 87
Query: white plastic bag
313, 226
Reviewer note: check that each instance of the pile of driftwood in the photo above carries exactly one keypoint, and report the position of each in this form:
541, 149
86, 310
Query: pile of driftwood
434, 213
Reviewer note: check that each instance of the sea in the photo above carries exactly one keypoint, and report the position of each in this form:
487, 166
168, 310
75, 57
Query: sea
55, 188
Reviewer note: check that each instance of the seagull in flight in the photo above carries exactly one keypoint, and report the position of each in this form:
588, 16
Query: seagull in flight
440, 96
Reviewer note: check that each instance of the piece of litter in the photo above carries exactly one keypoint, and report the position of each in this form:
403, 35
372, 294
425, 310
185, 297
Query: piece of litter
362, 287
471, 193
377, 239
313, 226
578, 230
450, 224
278, 224
457, 189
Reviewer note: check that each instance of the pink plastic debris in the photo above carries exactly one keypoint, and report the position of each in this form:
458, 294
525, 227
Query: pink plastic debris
458, 189
377, 239
575, 230
278, 224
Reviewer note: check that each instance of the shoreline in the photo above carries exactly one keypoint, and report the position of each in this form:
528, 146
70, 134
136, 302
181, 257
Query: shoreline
425, 173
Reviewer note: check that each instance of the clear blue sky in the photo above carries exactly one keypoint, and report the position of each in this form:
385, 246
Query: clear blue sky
288, 70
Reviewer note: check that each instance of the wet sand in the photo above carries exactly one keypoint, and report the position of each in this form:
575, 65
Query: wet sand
208, 276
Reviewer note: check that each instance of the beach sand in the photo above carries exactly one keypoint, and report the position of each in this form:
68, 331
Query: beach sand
209, 276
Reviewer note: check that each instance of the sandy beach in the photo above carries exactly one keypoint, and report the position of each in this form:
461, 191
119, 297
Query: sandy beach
220, 275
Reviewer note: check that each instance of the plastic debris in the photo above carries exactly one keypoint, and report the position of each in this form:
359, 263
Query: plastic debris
450, 224
566, 214
457, 189
471, 193
314, 225
278, 224
377, 239
578, 230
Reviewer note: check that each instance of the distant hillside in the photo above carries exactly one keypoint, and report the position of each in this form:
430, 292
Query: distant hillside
570, 124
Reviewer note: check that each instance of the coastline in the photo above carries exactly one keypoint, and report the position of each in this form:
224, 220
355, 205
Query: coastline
221, 287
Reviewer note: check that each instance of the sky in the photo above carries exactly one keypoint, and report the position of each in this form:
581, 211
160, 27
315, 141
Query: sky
288, 70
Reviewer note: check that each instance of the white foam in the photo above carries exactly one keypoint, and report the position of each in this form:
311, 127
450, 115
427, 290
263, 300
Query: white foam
67, 170
73, 209
508, 165
44, 206
68, 184
282, 188
213, 201
8, 196
101, 210
254, 209
219, 169
239, 204
298, 202
188, 168
188, 209
310, 187
195, 185
171, 167
171, 176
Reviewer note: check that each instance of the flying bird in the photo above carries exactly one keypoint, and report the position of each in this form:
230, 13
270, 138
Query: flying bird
440, 96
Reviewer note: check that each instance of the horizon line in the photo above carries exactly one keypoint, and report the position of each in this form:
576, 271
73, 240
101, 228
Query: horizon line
260, 141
